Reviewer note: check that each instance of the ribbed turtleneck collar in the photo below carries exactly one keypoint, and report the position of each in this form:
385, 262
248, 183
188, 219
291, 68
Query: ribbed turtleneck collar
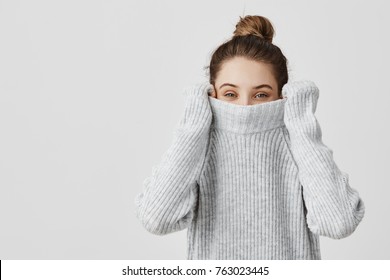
247, 118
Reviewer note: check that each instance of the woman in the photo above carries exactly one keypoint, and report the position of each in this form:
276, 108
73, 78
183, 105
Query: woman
247, 173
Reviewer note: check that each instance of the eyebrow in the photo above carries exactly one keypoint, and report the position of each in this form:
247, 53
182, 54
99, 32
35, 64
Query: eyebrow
256, 87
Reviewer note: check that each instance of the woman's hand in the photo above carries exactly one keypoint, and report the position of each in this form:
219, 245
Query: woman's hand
302, 97
197, 114
212, 92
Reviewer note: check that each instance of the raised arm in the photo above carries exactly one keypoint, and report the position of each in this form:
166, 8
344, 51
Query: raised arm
334, 209
169, 196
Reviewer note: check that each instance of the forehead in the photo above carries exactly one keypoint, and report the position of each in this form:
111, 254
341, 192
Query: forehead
245, 72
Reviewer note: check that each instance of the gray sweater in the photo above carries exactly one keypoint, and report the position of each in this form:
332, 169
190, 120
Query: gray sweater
250, 182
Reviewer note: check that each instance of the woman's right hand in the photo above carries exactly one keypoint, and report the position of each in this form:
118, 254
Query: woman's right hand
212, 92
197, 111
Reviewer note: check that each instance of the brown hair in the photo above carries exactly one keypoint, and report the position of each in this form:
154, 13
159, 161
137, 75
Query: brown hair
252, 39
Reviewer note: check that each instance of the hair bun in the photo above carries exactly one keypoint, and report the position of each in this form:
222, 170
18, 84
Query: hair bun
255, 25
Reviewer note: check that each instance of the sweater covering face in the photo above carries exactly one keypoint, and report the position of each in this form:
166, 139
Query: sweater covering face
250, 203
250, 182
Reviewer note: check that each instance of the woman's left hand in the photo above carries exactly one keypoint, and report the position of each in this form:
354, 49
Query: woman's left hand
302, 97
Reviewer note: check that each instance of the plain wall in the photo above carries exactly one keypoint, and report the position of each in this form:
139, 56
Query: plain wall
90, 93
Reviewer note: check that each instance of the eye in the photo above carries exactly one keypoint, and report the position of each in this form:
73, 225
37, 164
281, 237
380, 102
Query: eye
265, 95
231, 94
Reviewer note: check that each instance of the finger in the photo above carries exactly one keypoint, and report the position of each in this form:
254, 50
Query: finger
211, 93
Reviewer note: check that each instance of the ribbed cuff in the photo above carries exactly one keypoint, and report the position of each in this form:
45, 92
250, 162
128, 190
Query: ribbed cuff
197, 113
302, 98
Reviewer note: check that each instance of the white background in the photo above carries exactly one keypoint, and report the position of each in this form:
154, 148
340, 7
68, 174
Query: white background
90, 92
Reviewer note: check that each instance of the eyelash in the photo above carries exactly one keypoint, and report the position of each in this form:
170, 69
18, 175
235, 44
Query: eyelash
266, 95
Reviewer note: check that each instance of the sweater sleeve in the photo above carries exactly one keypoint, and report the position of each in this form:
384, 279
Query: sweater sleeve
334, 209
169, 197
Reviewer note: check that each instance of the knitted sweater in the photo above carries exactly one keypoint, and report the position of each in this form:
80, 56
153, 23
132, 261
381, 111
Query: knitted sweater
250, 182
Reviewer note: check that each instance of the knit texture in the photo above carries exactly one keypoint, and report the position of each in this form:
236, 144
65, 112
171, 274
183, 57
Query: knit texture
250, 182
